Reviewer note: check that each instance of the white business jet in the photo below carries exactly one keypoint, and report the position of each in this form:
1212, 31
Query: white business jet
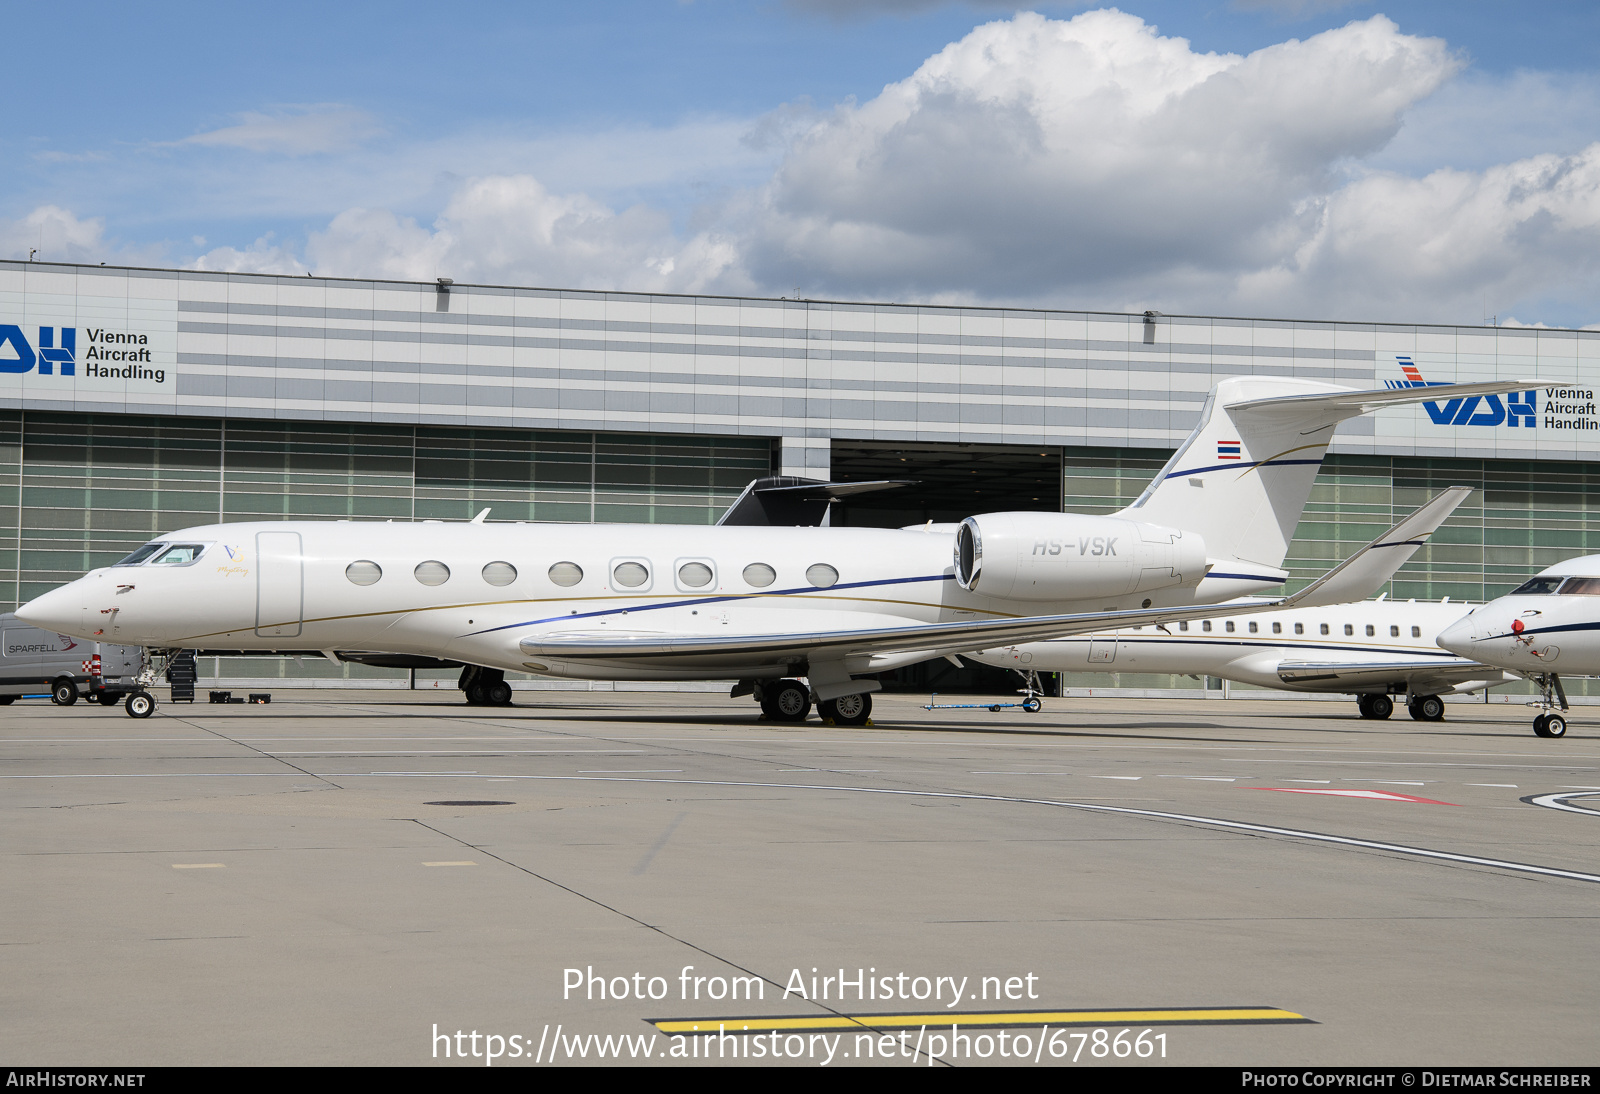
763, 606
1552, 620
1373, 649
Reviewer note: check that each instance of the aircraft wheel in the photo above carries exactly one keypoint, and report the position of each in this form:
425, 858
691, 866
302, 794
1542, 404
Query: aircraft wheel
791, 701
498, 694
141, 704
1550, 725
1431, 708
1032, 704
847, 710
63, 693
110, 698
477, 695
1381, 706
7, 700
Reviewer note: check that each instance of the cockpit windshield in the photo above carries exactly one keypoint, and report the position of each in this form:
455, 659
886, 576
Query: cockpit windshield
141, 554
1539, 586
179, 554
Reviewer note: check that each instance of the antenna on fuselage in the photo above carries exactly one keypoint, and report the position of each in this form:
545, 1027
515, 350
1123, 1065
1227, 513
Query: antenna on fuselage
481, 517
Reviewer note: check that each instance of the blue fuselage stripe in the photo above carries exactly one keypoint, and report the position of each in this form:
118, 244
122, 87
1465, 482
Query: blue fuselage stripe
1242, 466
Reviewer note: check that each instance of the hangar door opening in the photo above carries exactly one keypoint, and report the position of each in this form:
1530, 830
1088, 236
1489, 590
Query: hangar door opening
954, 481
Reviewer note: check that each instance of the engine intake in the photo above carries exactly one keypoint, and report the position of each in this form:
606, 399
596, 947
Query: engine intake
1065, 556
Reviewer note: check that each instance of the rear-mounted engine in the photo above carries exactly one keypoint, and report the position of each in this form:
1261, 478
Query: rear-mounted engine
1062, 556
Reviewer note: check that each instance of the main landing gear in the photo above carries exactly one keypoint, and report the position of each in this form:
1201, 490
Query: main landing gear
485, 687
790, 701
1377, 706
1425, 708
1551, 693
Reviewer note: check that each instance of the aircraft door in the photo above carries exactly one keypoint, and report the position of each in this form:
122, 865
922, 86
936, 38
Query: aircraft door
280, 584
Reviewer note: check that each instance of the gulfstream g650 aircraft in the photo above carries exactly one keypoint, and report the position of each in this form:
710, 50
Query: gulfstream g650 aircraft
761, 605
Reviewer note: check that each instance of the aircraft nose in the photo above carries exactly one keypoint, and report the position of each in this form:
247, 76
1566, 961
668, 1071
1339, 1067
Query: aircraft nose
59, 610
1461, 637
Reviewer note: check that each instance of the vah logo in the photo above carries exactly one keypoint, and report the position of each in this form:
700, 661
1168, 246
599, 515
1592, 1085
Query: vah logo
1520, 407
130, 351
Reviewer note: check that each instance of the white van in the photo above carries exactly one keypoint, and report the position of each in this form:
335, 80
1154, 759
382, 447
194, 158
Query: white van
33, 662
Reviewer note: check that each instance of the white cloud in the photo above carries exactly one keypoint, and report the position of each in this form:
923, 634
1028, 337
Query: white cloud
1039, 156
56, 235
509, 229
299, 130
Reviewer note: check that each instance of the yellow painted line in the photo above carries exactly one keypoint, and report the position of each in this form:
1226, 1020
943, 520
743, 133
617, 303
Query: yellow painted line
199, 865
1174, 1016
466, 862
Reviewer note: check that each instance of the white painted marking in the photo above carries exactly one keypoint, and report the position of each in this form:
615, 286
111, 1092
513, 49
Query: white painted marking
1503, 786
422, 773
1203, 778
634, 771
199, 865
1559, 801
465, 862
1308, 780
1130, 778
1386, 782
1126, 810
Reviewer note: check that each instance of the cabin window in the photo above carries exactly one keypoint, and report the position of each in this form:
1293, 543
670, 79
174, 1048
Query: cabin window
759, 575
630, 575
179, 554
363, 572
1206, 625
1299, 628
1228, 626
1254, 628
1184, 625
1324, 628
1416, 632
1394, 632
1349, 629
1581, 586
1371, 630
566, 574
432, 573
822, 575
696, 575
499, 573
1277, 628
141, 554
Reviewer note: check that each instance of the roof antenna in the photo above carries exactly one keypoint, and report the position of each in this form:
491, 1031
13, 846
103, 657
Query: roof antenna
481, 517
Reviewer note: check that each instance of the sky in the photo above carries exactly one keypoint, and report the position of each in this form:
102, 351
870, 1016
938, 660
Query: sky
1315, 159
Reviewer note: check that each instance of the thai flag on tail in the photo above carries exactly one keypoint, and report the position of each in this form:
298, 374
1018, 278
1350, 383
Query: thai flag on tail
1228, 450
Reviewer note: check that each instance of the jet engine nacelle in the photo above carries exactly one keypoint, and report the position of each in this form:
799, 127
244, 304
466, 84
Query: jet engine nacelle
1063, 556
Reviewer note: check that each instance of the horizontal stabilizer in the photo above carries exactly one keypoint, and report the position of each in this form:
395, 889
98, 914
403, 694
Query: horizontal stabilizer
1366, 571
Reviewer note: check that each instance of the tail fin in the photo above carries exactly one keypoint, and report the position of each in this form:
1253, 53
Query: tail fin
1243, 476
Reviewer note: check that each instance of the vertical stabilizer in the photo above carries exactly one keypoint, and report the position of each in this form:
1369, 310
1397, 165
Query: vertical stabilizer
1244, 474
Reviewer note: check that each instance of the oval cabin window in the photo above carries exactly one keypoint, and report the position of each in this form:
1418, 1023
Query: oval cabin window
499, 573
432, 573
696, 575
363, 573
630, 575
822, 575
759, 575
566, 574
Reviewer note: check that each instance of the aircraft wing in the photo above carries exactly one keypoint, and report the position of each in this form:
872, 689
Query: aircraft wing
1421, 675
935, 638
1361, 575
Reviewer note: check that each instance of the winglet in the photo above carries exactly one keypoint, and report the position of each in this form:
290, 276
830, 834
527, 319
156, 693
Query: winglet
1361, 575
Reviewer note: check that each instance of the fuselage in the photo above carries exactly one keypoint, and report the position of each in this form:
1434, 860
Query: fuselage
1550, 624
470, 592
1255, 649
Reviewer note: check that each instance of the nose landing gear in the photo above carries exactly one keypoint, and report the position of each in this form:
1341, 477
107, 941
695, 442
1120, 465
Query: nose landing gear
1551, 693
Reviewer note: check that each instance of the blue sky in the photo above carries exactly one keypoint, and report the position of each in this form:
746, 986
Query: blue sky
698, 147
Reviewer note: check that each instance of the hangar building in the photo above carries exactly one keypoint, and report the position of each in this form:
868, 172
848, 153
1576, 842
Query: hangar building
136, 401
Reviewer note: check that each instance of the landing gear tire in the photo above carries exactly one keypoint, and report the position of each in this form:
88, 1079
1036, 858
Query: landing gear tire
498, 694
1426, 708
787, 701
847, 710
1032, 704
108, 698
1375, 706
63, 693
141, 704
1550, 725
477, 695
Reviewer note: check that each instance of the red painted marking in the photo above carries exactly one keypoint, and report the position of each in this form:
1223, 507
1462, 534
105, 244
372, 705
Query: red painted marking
1370, 795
